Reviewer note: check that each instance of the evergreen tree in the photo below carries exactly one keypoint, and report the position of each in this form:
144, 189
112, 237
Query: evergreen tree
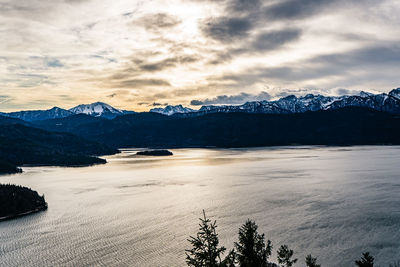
311, 262
251, 248
285, 256
366, 261
205, 251
229, 260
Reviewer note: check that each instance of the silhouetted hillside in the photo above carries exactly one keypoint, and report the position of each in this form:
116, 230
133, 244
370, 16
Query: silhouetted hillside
347, 126
157, 152
20, 145
8, 120
18, 200
6, 167
66, 124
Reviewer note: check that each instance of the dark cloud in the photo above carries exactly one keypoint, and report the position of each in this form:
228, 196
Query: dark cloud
232, 99
243, 6
168, 63
273, 39
344, 91
295, 9
142, 83
242, 16
384, 54
54, 63
155, 104
288, 92
196, 102
348, 68
227, 29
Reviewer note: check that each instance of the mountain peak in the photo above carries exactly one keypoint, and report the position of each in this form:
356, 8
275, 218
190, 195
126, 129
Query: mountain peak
289, 97
365, 94
95, 109
170, 110
98, 109
395, 92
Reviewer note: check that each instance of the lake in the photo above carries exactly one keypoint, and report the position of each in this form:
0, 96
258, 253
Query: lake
333, 202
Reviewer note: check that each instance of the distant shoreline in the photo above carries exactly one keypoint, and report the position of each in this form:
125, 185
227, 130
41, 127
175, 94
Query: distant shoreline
10, 217
17, 201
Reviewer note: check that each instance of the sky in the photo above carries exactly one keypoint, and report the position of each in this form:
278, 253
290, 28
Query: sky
137, 55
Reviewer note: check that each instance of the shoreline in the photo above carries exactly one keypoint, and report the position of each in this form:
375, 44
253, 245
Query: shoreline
10, 217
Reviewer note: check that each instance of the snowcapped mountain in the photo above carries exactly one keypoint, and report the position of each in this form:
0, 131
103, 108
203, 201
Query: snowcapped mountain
170, 110
291, 104
388, 102
99, 109
34, 115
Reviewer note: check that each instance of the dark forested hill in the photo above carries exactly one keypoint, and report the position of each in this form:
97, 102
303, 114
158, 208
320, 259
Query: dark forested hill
8, 120
66, 124
347, 126
18, 200
20, 144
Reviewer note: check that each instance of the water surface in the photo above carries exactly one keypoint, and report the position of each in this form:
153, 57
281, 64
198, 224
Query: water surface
138, 211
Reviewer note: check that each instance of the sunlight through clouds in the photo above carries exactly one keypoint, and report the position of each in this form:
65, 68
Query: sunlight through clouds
178, 51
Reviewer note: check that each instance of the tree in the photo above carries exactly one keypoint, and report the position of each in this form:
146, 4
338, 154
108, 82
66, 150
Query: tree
229, 260
285, 256
205, 251
251, 248
366, 261
311, 262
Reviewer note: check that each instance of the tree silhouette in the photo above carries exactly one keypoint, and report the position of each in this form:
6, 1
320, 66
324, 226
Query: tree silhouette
285, 256
366, 261
205, 251
229, 260
311, 262
251, 248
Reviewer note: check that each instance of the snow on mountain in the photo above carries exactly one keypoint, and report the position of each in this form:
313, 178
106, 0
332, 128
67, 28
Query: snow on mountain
395, 93
291, 104
99, 109
170, 110
34, 115
388, 102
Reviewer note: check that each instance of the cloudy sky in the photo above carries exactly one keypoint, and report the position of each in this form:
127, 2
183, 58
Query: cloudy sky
140, 54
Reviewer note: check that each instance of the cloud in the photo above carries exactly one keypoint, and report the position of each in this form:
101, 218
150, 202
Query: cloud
349, 68
295, 9
273, 39
155, 104
152, 52
158, 21
4, 99
227, 29
196, 102
250, 16
167, 63
133, 83
344, 91
54, 63
232, 99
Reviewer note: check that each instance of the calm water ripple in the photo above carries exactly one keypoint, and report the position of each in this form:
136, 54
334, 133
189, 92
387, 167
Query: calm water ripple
138, 211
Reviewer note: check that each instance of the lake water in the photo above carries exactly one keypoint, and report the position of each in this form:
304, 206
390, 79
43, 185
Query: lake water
138, 211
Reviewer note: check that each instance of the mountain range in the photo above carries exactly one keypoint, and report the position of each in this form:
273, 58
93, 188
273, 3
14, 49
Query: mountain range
387, 102
97, 109
78, 139
342, 126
